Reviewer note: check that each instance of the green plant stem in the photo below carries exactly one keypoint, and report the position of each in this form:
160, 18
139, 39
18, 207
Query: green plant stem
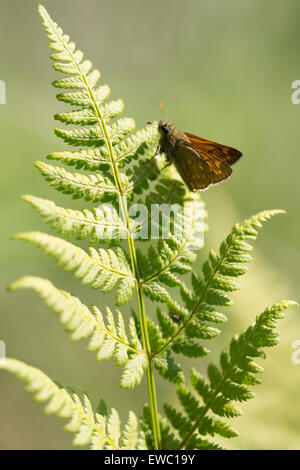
134, 264
141, 305
144, 331
150, 373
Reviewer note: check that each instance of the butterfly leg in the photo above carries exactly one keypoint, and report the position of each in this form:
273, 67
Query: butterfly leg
157, 151
164, 167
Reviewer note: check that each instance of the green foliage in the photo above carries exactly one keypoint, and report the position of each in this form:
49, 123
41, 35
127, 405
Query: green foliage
173, 255
209, 291
160, 267
90, 187
106, 340
104, 225
91, 428
226, 384
102, 268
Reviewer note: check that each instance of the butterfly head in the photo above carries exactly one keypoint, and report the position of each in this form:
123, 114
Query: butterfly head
164, 127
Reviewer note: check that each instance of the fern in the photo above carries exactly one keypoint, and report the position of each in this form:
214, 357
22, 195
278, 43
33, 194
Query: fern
104, 225
90, 428
210, 290
141, 256
102, 268
107, 340
227, 383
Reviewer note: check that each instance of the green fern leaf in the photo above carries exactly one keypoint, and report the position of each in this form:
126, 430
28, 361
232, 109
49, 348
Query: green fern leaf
103, 225
89, 187
188, 347
175, 254
89, 429
87, 117
88, 159
101, 269
83, 79
226, 385
212, 288
178, 421
97, 431
134, 371
130, 433
93, 136
168, 368
135, 145
94, 159
107, 340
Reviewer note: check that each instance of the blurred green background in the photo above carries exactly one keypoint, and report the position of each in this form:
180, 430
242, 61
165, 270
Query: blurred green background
223, 70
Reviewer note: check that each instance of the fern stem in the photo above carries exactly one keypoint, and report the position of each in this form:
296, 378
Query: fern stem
150, 373
132, 251
134, 264
141, 306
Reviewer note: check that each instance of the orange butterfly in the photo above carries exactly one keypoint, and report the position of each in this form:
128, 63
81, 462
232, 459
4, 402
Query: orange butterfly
199, 162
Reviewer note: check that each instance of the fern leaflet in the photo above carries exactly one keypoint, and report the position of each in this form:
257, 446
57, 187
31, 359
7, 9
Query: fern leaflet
93, 429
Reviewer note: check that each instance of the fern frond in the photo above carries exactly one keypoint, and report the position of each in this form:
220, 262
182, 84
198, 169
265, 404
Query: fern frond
93, 429
86, 117
132, 147
174, 257
83, 97
82, 79
130, 433
227, 383
88, 159
104, 225
134, 371
101, 269
89, 187
142, 175
87, 136
168, 368
211, 289
106, 340
135, 145
175, 253
94, 136
167, 190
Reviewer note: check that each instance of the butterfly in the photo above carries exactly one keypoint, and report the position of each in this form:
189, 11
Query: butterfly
200, 162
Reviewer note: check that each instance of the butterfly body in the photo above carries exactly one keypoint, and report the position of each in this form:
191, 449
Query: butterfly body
200, 162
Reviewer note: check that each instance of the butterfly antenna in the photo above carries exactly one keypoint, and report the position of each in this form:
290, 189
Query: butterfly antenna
162, 109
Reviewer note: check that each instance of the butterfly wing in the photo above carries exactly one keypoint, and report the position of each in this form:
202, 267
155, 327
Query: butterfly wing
220, 170
197, 167
191, 166
227, 154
